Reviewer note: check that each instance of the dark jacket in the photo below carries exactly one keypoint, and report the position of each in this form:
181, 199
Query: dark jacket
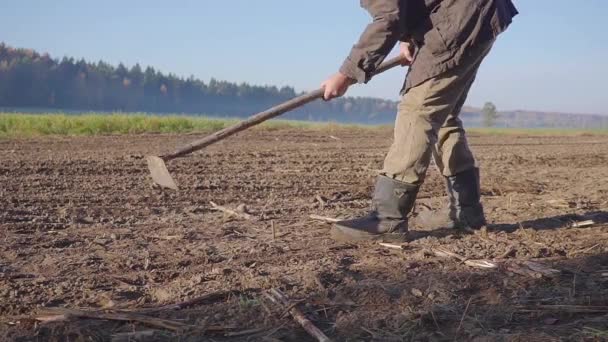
444, 30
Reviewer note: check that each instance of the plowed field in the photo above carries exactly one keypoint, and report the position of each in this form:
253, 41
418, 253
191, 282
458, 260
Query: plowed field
81, 227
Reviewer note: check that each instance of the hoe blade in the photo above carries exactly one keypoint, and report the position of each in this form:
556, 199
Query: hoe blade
160, 174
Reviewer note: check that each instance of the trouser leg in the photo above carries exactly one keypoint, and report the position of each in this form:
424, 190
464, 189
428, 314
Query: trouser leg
427, 118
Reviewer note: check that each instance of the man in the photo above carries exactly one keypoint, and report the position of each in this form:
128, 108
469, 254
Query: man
443, 42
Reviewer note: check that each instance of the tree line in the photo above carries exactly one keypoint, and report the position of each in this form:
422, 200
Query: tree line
30, 79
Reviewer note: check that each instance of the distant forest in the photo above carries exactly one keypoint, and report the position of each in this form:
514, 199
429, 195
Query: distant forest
33, 81
29, 79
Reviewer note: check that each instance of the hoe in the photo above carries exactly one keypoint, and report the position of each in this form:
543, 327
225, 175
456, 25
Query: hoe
156, 164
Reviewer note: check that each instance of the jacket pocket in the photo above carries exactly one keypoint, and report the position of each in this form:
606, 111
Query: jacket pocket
453, 23
436, 43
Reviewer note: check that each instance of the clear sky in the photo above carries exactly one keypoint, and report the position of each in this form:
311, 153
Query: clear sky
554, 57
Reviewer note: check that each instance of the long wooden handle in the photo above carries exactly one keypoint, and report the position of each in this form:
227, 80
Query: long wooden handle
263, 116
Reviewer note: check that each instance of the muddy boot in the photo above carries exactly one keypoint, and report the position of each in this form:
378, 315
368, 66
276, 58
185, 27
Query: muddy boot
392, 202
465, 210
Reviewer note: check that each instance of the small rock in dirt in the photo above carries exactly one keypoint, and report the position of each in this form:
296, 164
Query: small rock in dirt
197, 279
550, 321
85, 220
102, 241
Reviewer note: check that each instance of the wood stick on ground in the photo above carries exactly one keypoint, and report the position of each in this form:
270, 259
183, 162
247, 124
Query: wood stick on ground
244, 332
563, 308
166, 237
481, 264
134, 336
321, 201
464, 314
585, 250
542, 269
522, 270
210, 297
583, 224
507, 253
525, 268
391, 246
279, 298
61, 314
531, 269
230, 212
444, 253
324, 219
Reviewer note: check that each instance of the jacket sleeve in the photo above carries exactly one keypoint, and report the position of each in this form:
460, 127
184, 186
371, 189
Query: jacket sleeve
378, 39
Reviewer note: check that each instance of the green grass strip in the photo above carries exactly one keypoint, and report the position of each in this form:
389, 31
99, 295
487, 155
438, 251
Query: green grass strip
22, 125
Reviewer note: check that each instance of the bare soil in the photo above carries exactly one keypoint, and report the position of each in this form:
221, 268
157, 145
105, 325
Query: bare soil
81, 226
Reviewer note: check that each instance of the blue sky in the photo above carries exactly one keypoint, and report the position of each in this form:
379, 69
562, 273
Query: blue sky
553, 58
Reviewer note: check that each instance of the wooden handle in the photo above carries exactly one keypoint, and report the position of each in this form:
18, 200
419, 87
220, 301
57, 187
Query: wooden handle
263, 116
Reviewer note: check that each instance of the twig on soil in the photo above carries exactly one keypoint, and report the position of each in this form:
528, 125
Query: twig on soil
61, 314
563, 308
544, 270
582, 224
526, 268
210, 297
166, 237
230, 211
324, 219
586, 250
559, 203
391, 246
279, 298
532, 269
322, 203
244, 332
464, 314
508, 253
134, 336
481, 264
444, 253
243, 234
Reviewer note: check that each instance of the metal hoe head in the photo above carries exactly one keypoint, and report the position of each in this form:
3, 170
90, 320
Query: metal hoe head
160, 174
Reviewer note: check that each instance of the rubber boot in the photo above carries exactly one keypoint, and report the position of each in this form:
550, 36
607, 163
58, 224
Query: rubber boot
392, 202
465, 209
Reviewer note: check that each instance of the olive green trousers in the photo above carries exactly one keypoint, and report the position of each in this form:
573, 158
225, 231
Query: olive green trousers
428, 125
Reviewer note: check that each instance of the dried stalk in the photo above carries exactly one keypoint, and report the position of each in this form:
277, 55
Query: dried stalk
444, 253
525, 268
583, 224
279, 298
563, 308
134, 336
215, 296
391, 246
230, 211
61, 314
324, 219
